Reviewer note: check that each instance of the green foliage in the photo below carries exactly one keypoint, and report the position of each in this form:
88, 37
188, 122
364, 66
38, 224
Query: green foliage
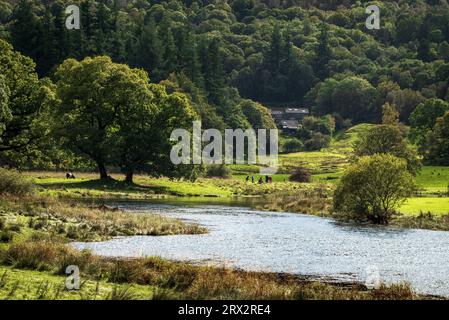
390, 116
23, 102
112, 114
373, 188
5, 113
436, 148
316, 132
218, 171
258, 116
206, 112
5, 11
314, 54
272, 52
301, 175
351, 97
387, 139
324, 125
292, 145
422, 119
317, 141
13, 183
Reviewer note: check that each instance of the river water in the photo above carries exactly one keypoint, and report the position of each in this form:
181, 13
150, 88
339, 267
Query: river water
285, 242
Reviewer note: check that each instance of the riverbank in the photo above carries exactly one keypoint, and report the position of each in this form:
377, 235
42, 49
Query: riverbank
26, 216
33, 260
429, 209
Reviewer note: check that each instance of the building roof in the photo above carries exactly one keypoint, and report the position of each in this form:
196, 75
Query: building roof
290, 124
297, 110
277, 111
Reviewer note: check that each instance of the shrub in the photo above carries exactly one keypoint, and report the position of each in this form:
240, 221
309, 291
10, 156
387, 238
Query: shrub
70, 256
318, 141
218, 171
293, 145
32, 255
13, 183
16, 227
301, 175
127, 271
373, 187
6, 236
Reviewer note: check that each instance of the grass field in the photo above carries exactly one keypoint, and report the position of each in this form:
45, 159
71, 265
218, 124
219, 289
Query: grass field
434, 179
431, 181
17, 284
438, 206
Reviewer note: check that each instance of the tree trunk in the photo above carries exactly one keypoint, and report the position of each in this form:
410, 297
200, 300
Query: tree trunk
102, 170
129, 176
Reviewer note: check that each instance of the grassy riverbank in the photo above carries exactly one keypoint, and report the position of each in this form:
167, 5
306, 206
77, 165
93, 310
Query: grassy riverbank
326, 167
427, 209
73, 221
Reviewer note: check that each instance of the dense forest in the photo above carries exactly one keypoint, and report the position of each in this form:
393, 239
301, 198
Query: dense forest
234, 57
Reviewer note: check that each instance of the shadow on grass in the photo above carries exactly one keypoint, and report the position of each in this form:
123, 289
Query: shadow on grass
110, 185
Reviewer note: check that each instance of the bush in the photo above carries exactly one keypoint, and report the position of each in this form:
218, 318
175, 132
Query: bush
13, 183
293, 145
32, 255
218, 171
318, 141
301, 175
372, 188
6, 236
70, 256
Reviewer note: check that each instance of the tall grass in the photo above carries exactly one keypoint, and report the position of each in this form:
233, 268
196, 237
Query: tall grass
13, 183
175, 280
90, 223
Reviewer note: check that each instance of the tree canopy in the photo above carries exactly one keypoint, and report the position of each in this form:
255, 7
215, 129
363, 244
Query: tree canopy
112, 114
373, 187
313, 53
23, 101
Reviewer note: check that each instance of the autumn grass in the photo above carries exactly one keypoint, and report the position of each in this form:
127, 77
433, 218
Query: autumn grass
86, 223
155, 278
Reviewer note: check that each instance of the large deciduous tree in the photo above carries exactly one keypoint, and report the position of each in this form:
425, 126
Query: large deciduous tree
373, 188
113, 115
142, 140
91, 93
23, 100
352, 97
388, 139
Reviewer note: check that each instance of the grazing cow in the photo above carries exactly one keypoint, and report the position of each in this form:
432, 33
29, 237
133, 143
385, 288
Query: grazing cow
70, 175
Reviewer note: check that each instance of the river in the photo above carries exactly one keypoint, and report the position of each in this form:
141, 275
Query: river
245, 238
